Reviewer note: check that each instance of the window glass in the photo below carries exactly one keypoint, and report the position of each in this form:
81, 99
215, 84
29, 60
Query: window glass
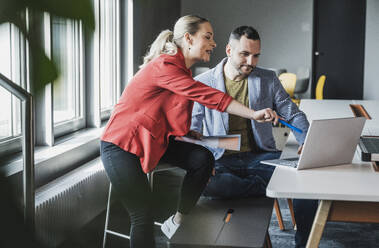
65, 52
108, 54
10, 64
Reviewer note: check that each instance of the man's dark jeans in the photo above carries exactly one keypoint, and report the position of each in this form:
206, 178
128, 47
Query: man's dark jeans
242, 175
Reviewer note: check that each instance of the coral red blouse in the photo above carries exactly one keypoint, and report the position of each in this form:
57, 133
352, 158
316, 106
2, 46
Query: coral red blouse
156, 104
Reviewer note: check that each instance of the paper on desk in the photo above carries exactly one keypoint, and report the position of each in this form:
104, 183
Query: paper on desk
229, 142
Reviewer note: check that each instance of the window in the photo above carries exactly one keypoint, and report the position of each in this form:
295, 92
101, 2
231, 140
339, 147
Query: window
89, 83
5, 68
109, 23
68, 94
12, 66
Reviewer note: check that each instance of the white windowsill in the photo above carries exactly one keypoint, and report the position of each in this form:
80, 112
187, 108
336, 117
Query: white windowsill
64, 146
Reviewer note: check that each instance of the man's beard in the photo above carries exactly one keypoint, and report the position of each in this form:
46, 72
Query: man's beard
241, 72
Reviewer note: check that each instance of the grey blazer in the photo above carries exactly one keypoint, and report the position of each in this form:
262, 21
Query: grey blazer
265, 91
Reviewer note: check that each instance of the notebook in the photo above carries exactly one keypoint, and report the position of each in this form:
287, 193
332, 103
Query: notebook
328, 142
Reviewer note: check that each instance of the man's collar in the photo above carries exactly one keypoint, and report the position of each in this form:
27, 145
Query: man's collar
219, 69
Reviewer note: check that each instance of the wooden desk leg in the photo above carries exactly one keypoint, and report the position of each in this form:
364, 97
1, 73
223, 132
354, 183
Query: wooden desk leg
290, 206
319, 224
278, 214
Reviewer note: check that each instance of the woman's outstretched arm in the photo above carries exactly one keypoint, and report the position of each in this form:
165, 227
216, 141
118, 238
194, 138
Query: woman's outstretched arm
263, 115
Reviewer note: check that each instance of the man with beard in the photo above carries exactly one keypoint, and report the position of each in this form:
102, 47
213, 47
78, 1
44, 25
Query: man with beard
240, 174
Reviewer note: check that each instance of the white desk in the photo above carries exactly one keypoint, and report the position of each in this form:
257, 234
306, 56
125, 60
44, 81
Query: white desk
372, 107
347, 192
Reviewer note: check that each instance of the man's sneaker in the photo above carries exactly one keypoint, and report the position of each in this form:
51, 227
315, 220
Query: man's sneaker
169, 227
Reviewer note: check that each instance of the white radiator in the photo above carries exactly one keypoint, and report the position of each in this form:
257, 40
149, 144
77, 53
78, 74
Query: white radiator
69, 202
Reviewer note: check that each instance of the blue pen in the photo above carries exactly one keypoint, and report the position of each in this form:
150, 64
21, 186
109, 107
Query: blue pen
290, 126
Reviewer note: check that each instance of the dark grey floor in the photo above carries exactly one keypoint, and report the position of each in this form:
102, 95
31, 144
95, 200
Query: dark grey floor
349, 235
337, 235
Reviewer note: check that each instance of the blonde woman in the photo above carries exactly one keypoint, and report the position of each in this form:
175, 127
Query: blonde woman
155, 107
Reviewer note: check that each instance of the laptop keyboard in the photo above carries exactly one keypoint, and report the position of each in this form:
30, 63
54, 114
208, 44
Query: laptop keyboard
289, 162
371, 144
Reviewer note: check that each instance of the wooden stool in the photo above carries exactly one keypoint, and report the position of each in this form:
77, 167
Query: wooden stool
150, 177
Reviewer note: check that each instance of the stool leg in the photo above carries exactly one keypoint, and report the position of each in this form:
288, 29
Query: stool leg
150, 178
290, 206
107, 215
278, 214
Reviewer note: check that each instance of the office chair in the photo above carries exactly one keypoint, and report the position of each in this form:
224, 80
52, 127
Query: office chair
280, 71
302, 81
320, 87
277, 71
150, 177
288, 81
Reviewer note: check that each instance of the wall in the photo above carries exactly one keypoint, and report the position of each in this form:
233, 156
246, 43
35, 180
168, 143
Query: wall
285, 28
371, 79
150, 17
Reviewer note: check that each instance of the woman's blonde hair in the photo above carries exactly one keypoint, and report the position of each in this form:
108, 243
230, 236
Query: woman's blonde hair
168, 42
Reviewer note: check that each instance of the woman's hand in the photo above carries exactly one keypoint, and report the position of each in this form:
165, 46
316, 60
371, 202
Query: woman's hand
194, 134
265, 115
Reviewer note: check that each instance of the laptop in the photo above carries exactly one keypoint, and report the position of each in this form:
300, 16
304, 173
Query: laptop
328, 142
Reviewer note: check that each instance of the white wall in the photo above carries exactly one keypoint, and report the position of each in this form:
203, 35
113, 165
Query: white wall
371, 70
285, 28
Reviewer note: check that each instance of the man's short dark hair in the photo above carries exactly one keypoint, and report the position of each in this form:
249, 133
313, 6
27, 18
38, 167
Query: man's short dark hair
250, 33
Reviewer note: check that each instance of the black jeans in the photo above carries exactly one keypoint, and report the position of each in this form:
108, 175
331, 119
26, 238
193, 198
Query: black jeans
130, 183
305, 211
242, 175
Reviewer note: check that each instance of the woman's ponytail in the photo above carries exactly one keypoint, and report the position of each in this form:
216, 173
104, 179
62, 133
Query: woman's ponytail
162, 44
168, 42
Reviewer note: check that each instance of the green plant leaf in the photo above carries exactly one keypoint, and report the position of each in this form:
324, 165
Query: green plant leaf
9, 9
43, 69
71, 9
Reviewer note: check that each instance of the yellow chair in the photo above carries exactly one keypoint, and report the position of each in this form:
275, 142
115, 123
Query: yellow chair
320, 87
288, 81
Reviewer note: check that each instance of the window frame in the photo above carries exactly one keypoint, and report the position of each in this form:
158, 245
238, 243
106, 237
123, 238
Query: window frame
116, 50
66, 127
46, 137
18, 73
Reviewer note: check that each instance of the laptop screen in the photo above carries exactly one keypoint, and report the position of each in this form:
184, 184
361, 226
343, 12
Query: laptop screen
331, 142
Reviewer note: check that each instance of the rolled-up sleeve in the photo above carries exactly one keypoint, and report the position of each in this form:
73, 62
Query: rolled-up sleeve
175, 79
